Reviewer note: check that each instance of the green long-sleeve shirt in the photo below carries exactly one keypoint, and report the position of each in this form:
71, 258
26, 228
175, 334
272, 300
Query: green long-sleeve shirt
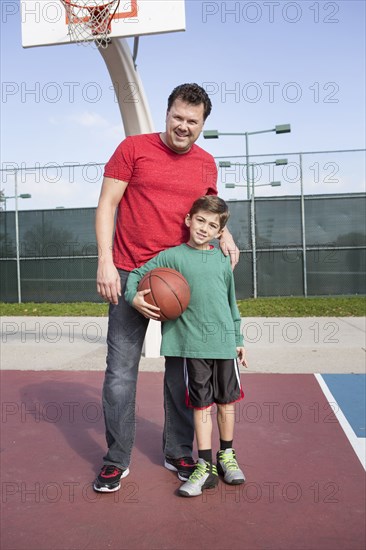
210, 326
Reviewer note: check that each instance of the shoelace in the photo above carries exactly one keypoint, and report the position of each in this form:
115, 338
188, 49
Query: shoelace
199, 471
230, 461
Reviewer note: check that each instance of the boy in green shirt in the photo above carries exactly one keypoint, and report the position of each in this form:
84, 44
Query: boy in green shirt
207, 335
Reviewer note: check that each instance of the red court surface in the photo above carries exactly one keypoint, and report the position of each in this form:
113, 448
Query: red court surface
305, 486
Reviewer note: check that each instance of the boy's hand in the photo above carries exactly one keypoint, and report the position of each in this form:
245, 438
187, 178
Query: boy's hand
147, 310
241, 356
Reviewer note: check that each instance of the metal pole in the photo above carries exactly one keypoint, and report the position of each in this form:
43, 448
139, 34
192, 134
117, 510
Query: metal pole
254, 247
247, 162
17, 236
136, 116
6, 225
303, 236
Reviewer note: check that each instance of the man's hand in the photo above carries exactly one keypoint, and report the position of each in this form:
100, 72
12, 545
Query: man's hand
108, 279
147, 310
228, 247
241, 356
108, 282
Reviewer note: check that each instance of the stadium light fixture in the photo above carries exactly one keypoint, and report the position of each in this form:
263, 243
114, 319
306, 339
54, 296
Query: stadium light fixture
215, 134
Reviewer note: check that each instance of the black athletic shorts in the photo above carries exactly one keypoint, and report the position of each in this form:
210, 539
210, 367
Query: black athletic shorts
211, 381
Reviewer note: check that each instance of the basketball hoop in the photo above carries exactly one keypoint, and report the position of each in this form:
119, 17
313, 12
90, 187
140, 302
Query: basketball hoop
90, 19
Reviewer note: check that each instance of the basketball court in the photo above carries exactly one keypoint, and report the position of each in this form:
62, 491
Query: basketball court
305, 484
300, 439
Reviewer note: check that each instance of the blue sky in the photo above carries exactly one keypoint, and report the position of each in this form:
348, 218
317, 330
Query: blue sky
263, 63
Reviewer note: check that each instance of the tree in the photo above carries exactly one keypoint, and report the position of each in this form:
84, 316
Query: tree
2, 200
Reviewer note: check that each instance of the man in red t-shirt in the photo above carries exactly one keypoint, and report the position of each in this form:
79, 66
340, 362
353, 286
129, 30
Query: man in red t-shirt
150, 181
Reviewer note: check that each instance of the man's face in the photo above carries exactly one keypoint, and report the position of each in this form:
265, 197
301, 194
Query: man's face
184, 123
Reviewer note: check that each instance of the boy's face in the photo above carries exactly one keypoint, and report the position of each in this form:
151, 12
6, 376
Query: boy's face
203, 227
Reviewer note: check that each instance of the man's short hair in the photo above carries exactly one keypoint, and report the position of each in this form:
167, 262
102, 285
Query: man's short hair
193, 94
212, 203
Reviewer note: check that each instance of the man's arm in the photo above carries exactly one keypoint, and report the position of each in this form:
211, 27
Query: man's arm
108, 279
228, 247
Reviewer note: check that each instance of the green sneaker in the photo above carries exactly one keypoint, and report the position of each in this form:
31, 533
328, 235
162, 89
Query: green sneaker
228, 467
204, 476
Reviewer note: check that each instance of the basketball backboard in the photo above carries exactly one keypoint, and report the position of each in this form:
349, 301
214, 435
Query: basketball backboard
45, 22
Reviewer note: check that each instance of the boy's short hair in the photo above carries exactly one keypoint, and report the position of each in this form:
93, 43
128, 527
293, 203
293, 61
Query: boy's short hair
193, 94
212, 203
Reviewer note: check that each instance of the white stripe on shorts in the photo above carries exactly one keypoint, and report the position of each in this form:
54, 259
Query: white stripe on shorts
237, 371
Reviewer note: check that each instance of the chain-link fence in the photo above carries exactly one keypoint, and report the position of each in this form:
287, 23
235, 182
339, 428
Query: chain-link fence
324, 256
297, 244
58, 254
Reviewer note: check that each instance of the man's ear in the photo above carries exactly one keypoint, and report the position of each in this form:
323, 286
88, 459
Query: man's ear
187, 220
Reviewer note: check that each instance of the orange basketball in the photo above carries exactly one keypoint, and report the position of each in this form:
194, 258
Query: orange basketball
169, 291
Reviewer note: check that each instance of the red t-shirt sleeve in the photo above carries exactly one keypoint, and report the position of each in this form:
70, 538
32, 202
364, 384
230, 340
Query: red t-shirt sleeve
212, 180
121, 164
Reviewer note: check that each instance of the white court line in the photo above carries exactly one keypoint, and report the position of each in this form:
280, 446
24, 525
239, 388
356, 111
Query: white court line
358, 443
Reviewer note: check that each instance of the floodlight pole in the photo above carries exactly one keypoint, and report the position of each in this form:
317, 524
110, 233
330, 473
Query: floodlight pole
254, 242
17, 237
303, 235
247, 161
278, 162
128, 87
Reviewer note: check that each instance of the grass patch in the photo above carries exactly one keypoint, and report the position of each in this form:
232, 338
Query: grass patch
350, 306
341, 306
46, 309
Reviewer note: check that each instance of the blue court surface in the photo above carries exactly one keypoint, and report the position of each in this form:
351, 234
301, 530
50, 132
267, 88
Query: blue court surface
349, 391
347, 395
297, 438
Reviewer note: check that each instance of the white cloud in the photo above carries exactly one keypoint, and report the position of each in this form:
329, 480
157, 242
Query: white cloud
88, 119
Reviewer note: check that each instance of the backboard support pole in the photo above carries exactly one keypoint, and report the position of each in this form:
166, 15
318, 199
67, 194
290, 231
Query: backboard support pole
136, 119
128, 87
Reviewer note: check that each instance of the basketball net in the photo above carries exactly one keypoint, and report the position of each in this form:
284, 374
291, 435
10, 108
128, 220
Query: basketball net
90, 20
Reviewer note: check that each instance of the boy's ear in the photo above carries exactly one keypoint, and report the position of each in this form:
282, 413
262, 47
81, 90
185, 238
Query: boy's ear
219, 233
187, 220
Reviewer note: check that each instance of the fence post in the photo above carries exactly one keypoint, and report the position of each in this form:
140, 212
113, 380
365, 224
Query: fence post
17, 236
254, 242
303, 236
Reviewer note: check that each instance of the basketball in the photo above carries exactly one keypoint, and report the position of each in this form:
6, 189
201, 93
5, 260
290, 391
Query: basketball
169, 291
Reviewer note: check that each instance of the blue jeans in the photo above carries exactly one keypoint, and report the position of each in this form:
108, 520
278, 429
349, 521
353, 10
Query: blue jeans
126, 333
